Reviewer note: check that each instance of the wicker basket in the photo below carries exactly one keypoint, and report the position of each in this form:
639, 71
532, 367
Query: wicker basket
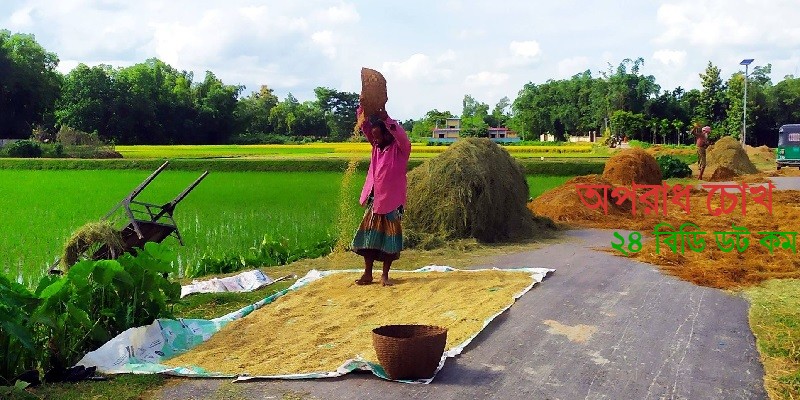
409, 351
373, 91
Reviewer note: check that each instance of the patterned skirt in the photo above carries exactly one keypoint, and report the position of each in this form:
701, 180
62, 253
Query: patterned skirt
379, 236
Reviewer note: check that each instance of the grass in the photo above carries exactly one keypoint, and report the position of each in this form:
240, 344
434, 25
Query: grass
325, 150
775, 321
229, 212
118, 387
539, 184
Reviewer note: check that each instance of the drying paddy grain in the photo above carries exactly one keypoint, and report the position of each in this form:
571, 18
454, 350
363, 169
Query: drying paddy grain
322, 325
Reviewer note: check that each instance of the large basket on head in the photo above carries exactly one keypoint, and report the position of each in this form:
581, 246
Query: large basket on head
373, 92
409, 352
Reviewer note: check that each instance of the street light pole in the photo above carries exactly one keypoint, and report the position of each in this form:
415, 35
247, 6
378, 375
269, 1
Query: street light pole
746, 62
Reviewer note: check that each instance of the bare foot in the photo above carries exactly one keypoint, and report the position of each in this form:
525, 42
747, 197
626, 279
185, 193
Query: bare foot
364, 280
386, 282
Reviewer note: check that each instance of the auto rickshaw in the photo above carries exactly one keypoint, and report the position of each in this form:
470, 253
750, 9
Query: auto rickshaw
788, 153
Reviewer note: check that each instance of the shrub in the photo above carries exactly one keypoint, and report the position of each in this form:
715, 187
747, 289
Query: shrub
672, 167
268, 253
66, 316
24, 149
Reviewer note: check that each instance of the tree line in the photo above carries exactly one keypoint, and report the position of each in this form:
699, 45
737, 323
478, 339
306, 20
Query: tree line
153, 103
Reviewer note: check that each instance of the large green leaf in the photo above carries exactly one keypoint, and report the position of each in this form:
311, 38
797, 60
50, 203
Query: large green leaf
79, 273
79, 315
19, 332
125, 278
105, 271
52, 289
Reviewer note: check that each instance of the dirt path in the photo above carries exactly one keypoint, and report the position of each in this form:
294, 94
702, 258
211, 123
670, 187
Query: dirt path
600, 327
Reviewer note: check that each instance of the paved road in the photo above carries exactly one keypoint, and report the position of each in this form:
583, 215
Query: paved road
600, 327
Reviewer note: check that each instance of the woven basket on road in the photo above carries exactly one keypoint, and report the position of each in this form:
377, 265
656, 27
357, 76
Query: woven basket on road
373, 91
409, 352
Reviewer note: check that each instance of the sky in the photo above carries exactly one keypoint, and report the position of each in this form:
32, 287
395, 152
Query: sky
432, 53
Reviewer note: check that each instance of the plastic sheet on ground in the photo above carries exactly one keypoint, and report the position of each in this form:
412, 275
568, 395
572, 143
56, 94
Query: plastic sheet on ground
141, 350
245, 282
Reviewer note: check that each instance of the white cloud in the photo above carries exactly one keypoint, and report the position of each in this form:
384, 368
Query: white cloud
710, 23
525, 50
325, 40
340, 14
486, 78
447, 56
21, 18
467, 34
670, 57
571, 66
524, 53
417, 67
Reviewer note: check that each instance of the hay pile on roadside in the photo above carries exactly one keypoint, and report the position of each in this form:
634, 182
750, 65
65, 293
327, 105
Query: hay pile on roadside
728, 152
88, 239
730, 270
760, 154
563, 204
474, 189
632, 166
723, 173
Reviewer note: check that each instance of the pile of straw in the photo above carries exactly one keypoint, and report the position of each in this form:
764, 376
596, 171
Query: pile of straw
88, 239
474, 189
632, 166
728, 152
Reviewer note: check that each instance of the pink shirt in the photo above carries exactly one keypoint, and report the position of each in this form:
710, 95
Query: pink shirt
386, 176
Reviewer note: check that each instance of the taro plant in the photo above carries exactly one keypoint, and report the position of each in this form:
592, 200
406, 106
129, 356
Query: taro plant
17, 339
51, 328
96, 300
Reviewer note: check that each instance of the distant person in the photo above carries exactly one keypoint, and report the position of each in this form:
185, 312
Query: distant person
380, 235
702, 144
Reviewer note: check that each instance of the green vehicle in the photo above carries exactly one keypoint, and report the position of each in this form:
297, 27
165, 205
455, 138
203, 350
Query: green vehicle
788, 154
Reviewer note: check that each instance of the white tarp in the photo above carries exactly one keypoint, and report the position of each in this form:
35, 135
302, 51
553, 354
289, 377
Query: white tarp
245, 282
141, 350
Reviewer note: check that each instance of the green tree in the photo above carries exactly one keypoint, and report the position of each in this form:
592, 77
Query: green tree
339, 110
87, 99
712, 98
215, 103
29, 85
626, 123
252, 114
473, 118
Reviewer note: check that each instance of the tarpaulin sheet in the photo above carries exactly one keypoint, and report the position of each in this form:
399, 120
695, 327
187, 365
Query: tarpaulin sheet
141, 350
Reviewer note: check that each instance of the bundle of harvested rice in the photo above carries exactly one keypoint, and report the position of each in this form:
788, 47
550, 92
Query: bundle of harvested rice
474, 189
728, 152
90, 238
632, 166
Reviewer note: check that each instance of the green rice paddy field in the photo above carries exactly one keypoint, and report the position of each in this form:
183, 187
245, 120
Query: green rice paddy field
228, 213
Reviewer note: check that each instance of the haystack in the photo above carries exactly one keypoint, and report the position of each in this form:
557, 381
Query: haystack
563, 204
474, 189
90, 238
632, 166
723, 173
760, 154
728, 152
